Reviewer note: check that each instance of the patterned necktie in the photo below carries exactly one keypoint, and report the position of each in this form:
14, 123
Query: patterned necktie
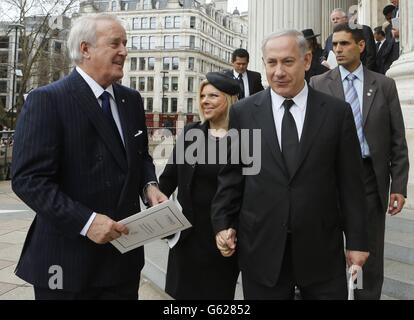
240, 79
351, 97
290, 138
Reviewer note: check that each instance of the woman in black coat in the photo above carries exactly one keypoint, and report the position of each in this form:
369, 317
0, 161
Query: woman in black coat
196, 268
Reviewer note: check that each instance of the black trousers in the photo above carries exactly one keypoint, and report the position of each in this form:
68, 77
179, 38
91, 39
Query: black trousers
373, 270
126, 291
334, 289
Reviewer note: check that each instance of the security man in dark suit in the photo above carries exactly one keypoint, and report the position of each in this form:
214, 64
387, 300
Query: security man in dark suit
250, 81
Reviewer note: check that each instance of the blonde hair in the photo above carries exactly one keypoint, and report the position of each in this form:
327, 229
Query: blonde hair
231, 100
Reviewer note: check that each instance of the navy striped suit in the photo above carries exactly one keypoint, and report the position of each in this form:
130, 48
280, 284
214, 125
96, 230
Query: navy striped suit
67, 163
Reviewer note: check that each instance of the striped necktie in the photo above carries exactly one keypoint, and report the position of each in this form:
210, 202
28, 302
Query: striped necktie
351, 97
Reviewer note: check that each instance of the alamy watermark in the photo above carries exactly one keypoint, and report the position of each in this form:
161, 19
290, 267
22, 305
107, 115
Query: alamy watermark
238, 147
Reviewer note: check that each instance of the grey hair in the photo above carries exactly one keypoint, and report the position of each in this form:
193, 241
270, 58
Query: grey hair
339, 10
302, 43
84, 30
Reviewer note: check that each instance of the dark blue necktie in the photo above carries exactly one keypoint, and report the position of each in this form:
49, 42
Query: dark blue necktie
106, 108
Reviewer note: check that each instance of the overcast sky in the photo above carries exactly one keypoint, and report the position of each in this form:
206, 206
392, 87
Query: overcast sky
240, 4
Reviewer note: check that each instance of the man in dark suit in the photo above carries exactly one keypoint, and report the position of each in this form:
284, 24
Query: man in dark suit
286, 218
384, 51
338, 16
379, 121
80, 161
250, 81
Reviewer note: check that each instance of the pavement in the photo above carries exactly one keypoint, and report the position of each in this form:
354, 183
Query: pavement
15, 219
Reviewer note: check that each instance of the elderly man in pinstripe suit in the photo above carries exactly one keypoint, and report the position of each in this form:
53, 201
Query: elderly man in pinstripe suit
80, 162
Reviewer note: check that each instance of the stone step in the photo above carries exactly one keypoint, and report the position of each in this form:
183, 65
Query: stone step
399, 246
404, 222
398, 280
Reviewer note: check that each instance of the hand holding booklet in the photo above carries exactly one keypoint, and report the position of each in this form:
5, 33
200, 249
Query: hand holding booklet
154, 223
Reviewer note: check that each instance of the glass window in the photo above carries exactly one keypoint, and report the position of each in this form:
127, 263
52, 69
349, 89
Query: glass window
153, 23
147, 4
150, 84
174, 83
191, 63
144, 43
151, 63
166, 63
4, 56
3, 71
145, 23
136, 23
174, 104
142, 64
58, 47
177, 22
133, 64
133, 83
150, 104
113, 5
168, 22
136, 43
176, 42
192, 42
175, 63
3, 86
164, 105
166, 84
190, 86
141, 84
192, 22
168, 42
190, 105
152, 43
4, 42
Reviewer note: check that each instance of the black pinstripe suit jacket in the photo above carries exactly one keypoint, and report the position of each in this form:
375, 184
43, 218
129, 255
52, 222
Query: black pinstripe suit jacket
69, 162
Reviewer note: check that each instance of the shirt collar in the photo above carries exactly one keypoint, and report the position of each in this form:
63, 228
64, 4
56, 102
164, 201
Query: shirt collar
300, 99
359, 72
95, 87
236, 74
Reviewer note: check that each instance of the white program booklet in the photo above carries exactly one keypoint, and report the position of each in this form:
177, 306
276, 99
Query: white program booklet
332, 60
154, 223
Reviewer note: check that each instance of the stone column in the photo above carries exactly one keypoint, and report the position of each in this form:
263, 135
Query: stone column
402, 71
267, 16
370, 12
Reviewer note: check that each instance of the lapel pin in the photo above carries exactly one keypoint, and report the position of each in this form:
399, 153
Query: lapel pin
370, 90
369, 94
123, 100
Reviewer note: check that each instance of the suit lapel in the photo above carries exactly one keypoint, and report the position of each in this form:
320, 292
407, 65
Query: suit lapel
314, 118
89, 104
263, 115
369, 92
122, 103
335, 86
250, 81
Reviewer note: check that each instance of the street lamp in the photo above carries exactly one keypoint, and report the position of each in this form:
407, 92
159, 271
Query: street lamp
15, 26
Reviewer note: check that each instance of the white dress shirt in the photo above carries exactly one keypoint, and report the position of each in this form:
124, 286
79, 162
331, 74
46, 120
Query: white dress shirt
97, 91
298, 111
245, 82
